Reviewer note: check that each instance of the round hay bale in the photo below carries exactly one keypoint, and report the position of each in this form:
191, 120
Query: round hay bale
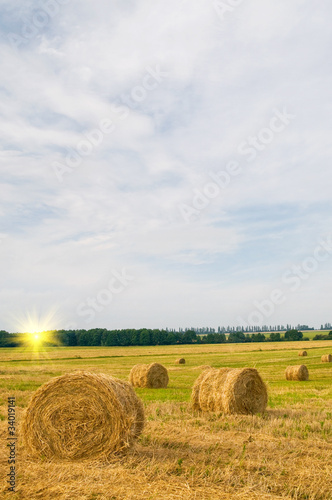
303, 353
153, 376
180, 361
298, 372
82, 415
230, 390
326, 358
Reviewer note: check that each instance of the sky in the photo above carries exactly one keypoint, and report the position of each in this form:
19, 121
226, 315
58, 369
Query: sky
165, 163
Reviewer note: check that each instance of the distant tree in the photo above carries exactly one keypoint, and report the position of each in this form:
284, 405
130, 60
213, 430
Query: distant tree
3, 338
210, 339
8, 339
134, 337
67, 337
319, 336
237, 337
96, 336
85, 338
171, 338
189, 336
178, 337
219, 338
258, 337
275, 337
293, 335
124, 337
156, 337
163, 337
111, 338
145, 337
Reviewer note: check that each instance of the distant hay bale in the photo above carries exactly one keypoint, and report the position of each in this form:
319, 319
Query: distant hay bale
82, 415
303, 353
153, 376
326, 358
298, 372
180, 361
230, 390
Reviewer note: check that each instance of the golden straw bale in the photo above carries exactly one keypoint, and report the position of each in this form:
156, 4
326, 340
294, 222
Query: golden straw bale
153, 376
326, 358
303, 353
298, 372
180, 361
230, 390
82, 415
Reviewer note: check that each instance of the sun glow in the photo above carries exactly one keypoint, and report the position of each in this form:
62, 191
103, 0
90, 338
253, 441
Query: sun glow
36, 323
38, 340
37, 331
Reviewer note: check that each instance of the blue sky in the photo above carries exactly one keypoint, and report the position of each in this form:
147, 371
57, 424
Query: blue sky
116, 120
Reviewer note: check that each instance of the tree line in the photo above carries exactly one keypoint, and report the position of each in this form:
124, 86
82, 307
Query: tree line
148, 337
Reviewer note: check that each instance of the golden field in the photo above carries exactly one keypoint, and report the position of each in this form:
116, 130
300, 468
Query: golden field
285, 453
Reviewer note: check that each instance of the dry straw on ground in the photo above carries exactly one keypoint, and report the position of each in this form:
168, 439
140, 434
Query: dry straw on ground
153, 376
303, 353
238, 390
82, 415
202, 367
298, 372
180, 361
326, 358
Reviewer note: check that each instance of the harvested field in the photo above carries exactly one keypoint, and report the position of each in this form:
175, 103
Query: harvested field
183, 454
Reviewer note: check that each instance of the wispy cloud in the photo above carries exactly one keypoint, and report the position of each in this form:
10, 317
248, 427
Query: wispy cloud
218, 81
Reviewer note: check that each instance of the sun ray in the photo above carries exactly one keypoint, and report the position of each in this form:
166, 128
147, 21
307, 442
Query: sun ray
38, 332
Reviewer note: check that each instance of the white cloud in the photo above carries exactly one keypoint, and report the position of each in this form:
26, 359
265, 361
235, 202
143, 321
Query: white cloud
221, 81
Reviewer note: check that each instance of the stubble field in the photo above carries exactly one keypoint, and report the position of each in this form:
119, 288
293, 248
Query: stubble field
284, 454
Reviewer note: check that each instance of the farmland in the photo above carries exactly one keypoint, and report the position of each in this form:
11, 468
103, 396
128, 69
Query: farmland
285, 453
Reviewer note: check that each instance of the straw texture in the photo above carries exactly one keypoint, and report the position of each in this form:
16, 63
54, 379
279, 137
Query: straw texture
153, 376
298, 372
82, 415
228, 390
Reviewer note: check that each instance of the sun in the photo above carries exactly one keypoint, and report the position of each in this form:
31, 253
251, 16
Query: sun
37, 339
38, 331
36, 322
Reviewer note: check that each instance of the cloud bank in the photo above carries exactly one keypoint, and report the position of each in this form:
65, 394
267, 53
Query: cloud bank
119, 122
